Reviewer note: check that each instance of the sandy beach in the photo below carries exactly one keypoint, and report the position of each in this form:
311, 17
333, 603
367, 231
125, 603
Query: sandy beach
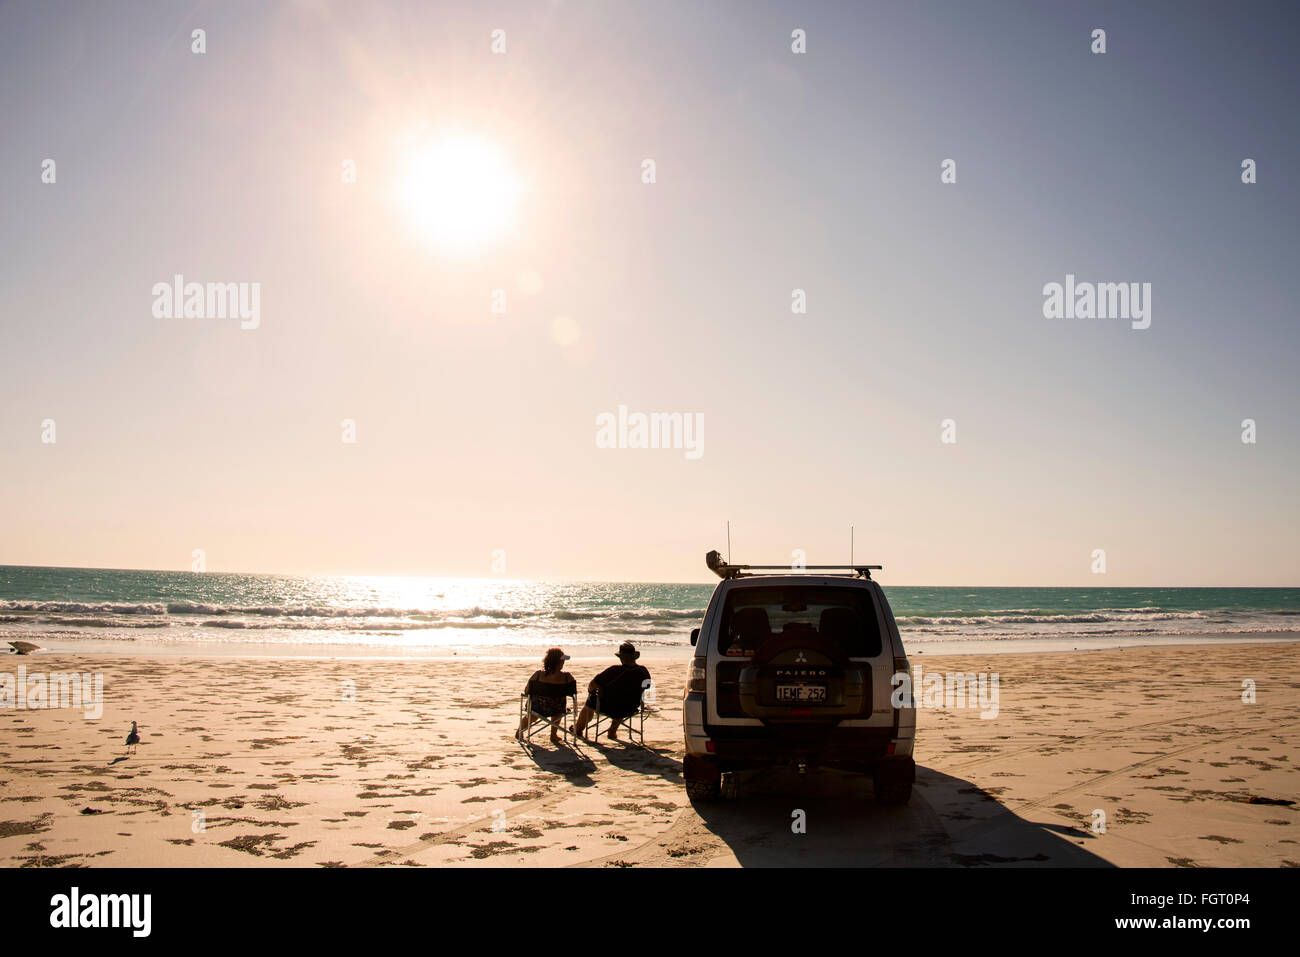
361, 763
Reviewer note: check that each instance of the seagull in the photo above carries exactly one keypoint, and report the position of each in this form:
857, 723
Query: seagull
24, 647
133, 738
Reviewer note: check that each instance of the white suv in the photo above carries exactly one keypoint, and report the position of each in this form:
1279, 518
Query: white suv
796, 668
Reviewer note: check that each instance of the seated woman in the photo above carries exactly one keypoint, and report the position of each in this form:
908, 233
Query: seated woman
548, 691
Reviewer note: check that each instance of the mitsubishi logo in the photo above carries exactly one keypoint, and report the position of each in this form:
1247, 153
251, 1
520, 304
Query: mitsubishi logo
801, 660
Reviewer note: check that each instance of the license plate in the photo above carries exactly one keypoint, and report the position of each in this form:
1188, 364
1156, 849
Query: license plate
800, 692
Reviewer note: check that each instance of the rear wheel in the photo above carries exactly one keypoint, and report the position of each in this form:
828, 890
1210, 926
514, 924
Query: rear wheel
702, 790
891, 790
702, 777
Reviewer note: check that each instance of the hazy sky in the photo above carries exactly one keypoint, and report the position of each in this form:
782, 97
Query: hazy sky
775, 171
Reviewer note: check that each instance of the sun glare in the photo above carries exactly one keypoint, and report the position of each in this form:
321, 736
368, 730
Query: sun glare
460, 193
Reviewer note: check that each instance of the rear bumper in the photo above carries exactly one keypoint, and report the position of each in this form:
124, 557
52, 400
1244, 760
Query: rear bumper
811, 745
749, 746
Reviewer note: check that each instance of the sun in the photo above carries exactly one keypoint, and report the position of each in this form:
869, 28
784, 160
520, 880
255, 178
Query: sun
459, 192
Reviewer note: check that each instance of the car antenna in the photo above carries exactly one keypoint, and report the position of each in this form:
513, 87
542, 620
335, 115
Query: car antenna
850, 544
728, 541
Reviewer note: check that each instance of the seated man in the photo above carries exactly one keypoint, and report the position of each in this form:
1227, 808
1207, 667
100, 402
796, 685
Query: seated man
620, 687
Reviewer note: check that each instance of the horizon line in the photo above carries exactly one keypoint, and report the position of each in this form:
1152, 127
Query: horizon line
573, 581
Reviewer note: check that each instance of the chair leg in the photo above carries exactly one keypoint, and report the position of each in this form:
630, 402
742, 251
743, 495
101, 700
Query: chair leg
636, 732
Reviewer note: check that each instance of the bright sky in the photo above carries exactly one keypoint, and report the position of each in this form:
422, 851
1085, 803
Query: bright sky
522, 171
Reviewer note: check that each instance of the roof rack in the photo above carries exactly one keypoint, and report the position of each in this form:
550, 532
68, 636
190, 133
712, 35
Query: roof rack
725, 571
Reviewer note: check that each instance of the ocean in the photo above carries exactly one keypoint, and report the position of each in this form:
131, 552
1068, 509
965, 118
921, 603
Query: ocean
86, 609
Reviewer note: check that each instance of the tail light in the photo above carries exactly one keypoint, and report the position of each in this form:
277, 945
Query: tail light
902, 666
695, 675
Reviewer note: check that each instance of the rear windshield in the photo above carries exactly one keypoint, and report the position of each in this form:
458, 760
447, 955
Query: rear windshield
845, 616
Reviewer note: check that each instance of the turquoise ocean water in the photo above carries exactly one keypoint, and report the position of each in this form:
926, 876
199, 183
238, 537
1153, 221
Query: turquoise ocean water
117, 610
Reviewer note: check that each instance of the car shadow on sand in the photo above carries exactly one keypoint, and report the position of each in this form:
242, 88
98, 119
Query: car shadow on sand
949, 822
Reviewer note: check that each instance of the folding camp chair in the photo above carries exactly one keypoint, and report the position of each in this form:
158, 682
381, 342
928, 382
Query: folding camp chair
564, 721
634, 723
